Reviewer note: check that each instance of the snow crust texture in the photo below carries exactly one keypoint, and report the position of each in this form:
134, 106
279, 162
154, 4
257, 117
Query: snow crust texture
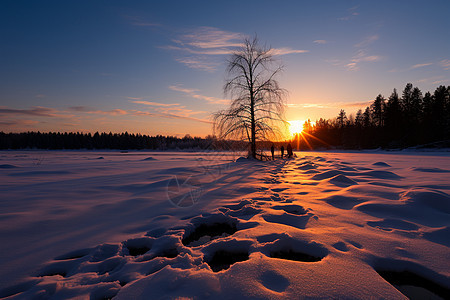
207, 226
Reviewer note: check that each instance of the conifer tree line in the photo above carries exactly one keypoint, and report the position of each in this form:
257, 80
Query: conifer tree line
122, 141
399, 121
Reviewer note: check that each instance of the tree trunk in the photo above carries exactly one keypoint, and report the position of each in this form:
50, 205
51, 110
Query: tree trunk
253, 138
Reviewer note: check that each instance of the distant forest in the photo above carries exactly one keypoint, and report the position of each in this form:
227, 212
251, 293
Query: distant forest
411, 119
122, 141
408, 120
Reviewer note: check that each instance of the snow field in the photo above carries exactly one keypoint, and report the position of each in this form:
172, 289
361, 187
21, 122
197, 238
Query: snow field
339, 225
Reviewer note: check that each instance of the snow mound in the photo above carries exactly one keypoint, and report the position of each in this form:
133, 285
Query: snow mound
418, 205
307, 166
381, 175
289, 248
343, 202
7, 166
431, 170
437, 200
288, 219
149, 158
342, 181
327, 174
439, 236
243, 159
381, 164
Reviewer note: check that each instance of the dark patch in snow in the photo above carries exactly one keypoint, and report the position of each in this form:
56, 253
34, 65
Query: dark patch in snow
274, 281
389, 224
292, 209
341, 246
222, 259
74, 254
40, 173
106, 291
100, 157
135, 251
110, 265
326, 175
211, 230
168, 253
157, 232
277, 190
439, 236
343, 202
239, 205
355, 244
295, 256
7, 166
104, 251
404, 280
18, 288
431, 170
288, 219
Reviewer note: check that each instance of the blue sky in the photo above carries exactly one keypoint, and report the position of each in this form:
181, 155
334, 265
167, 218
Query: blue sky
158, 67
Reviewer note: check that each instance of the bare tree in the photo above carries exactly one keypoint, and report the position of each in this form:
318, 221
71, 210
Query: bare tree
257, 106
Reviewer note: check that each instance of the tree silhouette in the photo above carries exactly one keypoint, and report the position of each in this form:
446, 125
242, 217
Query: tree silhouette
257, 105
378, 107
341, 118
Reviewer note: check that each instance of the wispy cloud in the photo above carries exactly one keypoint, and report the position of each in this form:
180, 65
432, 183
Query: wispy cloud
18, 122
200, 45
194, 94
367, 41
361, 56
150, 103
211, 38
322, 42
167, 110
113, 112
89, 110
332, 105
34, 111
445, 63
79, 108
421, 65
170, 116
198, 63
141, 22
286, 50
434, 80
352, 12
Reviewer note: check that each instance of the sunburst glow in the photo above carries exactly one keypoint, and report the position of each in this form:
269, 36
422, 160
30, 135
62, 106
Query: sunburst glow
296, 126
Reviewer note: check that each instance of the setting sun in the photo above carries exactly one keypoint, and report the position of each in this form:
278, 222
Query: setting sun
296, 126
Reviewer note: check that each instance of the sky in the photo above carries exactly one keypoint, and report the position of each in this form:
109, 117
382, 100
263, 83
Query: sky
158, 67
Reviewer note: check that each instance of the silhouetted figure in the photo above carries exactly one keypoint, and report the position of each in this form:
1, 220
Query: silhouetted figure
282, 151
272, 149
289, 150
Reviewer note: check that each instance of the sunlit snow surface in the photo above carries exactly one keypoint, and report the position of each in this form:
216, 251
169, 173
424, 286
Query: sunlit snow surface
155, 225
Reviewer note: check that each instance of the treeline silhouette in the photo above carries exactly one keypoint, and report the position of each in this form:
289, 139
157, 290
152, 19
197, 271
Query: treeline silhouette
122, 141
400, 121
